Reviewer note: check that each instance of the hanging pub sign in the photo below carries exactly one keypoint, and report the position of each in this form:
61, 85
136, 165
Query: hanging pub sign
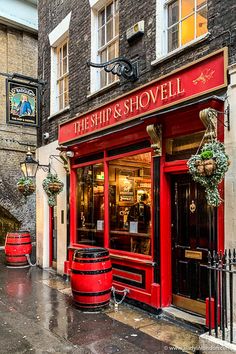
22, 103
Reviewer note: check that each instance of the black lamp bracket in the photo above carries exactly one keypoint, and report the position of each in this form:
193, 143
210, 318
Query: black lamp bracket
119, 66
47, 168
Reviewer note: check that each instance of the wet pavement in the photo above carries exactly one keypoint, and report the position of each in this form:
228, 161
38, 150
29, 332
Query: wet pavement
37, 315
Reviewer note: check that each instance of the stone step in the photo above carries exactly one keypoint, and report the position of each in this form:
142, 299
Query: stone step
193, 321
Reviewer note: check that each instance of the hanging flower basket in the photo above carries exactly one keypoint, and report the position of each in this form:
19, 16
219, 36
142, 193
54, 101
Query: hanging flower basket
52, 186
208, 168
26, 186
55, 187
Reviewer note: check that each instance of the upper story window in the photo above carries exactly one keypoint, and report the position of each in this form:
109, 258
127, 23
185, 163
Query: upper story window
187, 20
59, 87
179, 23
62, 75
108, 44
104, 40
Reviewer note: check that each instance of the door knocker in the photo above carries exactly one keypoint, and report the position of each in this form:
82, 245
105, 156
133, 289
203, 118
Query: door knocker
192, 207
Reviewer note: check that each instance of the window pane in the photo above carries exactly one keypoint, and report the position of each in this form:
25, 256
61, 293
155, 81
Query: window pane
61, 106
101, 37
116, 25
59, 63
65, 50
64, 66
129, 201
202, 21
109, 12
103, 74
111, 51
109, 30
101, 18
201, 3
173, 13
188, 7
103, 78
90, 205
60, 87
66, 92
188, 30
173, 35
66, 99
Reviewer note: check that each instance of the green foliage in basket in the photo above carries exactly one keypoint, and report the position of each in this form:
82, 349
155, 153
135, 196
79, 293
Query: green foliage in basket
26, 186
212, 153
52, 194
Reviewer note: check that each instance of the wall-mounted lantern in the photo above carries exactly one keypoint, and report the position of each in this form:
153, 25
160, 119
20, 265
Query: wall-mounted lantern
30, 166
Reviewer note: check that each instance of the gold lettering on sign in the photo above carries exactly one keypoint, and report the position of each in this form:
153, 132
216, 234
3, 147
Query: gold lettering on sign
171, 92
154, 95
142, 100
132, 105
117, 112
179, 89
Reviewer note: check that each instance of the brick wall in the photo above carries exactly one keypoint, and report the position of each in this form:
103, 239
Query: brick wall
18, 54
222, 23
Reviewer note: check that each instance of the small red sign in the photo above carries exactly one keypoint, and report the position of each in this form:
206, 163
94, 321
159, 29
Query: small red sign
198, 78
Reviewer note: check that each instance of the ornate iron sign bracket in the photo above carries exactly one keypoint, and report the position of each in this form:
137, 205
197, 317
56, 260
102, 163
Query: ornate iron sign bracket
119, 66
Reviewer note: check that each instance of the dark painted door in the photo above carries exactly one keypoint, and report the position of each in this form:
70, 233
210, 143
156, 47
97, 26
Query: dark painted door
193, 234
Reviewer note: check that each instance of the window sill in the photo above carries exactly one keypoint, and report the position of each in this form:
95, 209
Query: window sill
104, 89
58, 113
179, 50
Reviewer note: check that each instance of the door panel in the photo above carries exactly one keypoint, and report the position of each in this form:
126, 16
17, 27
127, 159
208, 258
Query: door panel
193, 234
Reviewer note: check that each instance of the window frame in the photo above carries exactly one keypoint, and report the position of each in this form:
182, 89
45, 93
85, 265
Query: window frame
162, 35
64, 76
180, 22
95, 73
105, 160
57, 37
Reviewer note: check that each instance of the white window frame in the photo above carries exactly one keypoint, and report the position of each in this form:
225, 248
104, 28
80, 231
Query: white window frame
96, 6
57, 37
61, 78
162, 34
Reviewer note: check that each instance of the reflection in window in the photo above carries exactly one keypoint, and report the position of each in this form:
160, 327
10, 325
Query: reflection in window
187, 20
90, 205
129, 203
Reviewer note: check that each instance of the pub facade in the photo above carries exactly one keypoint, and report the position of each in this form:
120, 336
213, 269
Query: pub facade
124, 143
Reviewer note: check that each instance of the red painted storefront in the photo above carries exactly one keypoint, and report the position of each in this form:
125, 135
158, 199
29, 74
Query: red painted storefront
174, 102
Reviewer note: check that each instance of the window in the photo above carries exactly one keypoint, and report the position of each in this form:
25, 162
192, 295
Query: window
179, 23
187, 20
62, 75
128, 199
104, 41
90, 205
59, 87
129, 203
108, 31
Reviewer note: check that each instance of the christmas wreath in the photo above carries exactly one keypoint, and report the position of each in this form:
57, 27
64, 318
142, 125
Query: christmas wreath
208, 168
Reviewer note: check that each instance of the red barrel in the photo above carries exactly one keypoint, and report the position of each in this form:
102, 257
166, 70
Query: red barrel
17, 245
91, 278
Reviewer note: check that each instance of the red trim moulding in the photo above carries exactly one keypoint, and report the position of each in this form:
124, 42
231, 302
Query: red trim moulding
50, 245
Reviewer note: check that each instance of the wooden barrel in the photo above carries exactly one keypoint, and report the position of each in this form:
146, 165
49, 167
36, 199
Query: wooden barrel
17, 245
91, 278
